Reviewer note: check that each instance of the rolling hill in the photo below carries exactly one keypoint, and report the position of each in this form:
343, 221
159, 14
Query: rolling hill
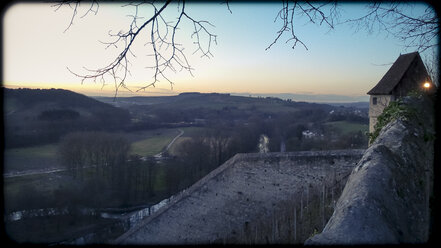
187, 107
39, 116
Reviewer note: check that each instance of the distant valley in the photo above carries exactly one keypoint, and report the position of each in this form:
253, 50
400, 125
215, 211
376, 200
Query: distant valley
68, 151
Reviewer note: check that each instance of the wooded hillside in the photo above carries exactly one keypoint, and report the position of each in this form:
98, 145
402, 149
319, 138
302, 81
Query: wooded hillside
40, 116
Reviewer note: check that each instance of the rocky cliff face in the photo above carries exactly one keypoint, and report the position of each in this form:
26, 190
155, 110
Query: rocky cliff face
386, 198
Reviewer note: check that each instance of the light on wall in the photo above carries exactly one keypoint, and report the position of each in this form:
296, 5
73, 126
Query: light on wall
426, 85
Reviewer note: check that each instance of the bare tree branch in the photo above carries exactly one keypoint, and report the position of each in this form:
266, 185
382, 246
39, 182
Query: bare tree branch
74, 5
316, 12
228, 6
168, 55
121, 61
417, 32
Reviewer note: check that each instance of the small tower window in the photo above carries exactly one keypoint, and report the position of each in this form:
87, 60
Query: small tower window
374, 101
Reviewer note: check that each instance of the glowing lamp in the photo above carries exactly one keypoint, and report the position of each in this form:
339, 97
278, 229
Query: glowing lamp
426, 85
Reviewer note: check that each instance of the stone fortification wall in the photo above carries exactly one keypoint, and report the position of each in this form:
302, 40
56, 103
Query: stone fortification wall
386, 198
253, 198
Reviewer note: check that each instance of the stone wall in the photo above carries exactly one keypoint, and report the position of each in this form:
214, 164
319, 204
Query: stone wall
382, 101
290, 197
386, 198
253, 198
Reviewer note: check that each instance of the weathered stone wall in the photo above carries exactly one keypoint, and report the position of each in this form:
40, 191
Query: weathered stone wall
253, 198
386, 198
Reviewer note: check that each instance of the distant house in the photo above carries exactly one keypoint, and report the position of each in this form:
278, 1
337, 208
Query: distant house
406, 74
308, 134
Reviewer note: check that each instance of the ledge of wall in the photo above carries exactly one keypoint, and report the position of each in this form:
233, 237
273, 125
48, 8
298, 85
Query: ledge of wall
386, 198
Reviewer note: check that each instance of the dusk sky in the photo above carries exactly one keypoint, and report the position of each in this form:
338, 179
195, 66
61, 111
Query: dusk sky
37, 52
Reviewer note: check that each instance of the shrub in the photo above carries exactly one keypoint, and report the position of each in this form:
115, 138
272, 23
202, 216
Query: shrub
395, 110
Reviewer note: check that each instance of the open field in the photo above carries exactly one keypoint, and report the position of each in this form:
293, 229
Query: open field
135, 136
44, 151
152, 145
144, 143
348, 127
31, 158
159, 139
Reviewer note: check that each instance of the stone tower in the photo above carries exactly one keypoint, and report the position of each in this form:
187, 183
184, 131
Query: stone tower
407, 73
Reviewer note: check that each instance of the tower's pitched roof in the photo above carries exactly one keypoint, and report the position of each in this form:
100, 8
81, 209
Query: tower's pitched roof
393, 75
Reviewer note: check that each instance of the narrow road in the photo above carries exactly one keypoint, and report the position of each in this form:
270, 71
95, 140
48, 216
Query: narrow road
159, 155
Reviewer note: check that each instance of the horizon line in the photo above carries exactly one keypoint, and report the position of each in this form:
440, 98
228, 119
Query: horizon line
316, 97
